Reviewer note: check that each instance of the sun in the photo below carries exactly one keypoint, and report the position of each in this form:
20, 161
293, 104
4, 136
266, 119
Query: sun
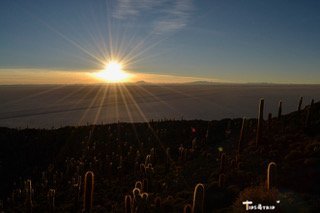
113, 73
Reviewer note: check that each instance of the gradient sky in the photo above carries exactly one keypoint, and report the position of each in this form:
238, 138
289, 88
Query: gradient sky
233, 41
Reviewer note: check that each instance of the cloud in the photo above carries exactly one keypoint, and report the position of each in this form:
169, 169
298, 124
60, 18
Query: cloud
176, 19
44, 76
130, 8
168, 15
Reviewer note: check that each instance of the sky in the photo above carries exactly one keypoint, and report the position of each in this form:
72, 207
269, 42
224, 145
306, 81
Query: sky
237, 41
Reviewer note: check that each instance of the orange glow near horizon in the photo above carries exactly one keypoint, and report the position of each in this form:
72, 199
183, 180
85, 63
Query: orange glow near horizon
43, 76
113, 73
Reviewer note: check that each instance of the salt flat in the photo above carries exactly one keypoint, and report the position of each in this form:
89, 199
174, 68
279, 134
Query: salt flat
47, 106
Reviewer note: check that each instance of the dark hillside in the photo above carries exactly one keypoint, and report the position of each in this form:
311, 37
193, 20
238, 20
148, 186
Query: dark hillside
156, 166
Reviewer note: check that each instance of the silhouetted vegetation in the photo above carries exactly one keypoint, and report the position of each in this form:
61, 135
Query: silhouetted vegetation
165, 166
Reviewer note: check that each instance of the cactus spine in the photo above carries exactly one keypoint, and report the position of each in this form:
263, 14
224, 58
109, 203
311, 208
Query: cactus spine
260, 121
270, 174
88, 200
198, 199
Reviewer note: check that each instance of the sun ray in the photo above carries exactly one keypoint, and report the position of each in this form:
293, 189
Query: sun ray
48, 91
128, 112
90, 106
157, 98
62, 99
150, 127
101, 105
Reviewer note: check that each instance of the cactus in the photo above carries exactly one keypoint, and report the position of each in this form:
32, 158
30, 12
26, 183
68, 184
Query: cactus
138, 185
136, 198
269, 173
149, 168
148, 160
280, 110
51, 199
181, 151
15, 195
242, 131
142, 169
198, 199
136, 168
136, 192
76, 185
187, 208
300, 104
145, 196
168, 159
194, 144
145, 202
128, 204
88, 202
309, 115
29, 196
260, 122
237, 159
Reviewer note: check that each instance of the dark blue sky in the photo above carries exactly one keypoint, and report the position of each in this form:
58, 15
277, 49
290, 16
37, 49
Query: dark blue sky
239, 41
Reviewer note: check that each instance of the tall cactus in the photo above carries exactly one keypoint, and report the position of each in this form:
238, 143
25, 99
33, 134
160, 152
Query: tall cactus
280, 110
222, 163
138, 185
242, 132
29, 195
136, 198
300, 104
168, 159
309, 114
271, 173
198, 199
128, 204
77, 191
260, 121
88, 192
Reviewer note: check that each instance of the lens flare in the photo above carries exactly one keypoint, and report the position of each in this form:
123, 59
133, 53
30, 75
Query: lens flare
113, 73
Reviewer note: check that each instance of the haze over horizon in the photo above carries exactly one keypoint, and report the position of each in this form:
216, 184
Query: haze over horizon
68, 42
